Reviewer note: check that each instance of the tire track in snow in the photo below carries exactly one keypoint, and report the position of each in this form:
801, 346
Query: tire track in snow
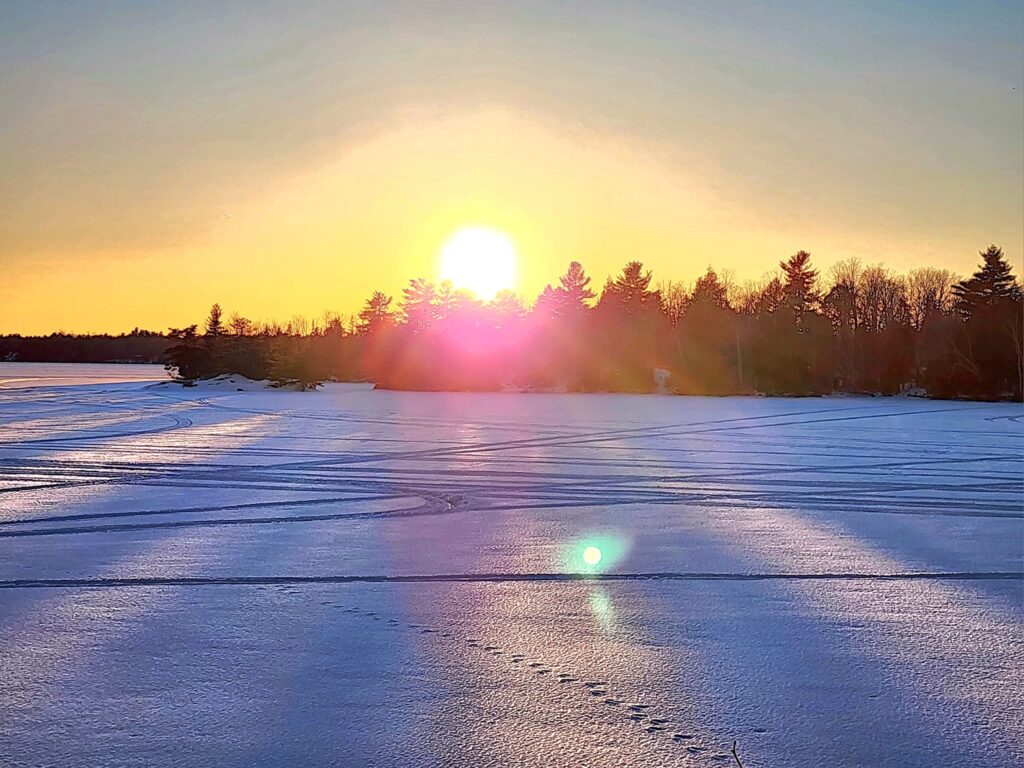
627, 434
474, 578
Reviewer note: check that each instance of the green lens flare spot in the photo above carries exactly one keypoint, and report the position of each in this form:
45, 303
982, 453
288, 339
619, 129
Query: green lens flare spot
593, 553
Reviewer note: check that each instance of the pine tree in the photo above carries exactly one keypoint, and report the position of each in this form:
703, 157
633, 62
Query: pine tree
799, 285
214, 322
710, 290
507, 306
188, 359
990, 343
448, 301
993, 282
631, 289
574, 290
419, 304
376, 314
548, 304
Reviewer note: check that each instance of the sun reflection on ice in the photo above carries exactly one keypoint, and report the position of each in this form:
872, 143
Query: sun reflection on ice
603, 610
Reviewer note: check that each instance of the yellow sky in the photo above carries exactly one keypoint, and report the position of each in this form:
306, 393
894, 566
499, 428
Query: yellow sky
159, 159
375, 215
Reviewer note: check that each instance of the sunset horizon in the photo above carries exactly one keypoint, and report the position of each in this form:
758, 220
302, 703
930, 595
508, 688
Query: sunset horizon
522, 384
140, 189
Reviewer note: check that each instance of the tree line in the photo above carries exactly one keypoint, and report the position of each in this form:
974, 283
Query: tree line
863, 329
137, 346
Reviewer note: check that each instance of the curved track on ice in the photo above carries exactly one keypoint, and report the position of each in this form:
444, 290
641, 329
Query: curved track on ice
352, 577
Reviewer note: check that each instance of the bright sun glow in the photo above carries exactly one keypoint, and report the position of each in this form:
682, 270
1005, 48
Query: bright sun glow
591, 555
480, 260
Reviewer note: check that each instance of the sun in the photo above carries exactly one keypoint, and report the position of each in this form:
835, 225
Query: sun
481, 260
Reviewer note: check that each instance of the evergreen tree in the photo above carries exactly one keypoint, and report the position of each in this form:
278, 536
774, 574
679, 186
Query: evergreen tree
507, 307
376, 314
188, 359
989, 347
799, 283
631, 289
710, 290
992, 282
447, 300
214, 322
548, 304
419, 304
574, 289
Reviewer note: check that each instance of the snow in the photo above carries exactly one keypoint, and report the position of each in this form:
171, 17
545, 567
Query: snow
355, 577
228, 382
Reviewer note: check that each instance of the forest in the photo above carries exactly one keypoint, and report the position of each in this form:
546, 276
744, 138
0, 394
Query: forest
863, 330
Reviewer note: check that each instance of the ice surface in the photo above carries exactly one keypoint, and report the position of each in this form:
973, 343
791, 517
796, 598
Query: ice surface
353, 577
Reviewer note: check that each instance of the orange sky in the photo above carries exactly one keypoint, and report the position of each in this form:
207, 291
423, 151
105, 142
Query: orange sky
292, 171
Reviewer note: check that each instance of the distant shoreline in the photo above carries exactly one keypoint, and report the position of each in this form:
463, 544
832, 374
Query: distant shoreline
212, 383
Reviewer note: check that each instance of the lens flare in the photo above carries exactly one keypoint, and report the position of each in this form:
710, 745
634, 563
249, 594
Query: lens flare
591, 555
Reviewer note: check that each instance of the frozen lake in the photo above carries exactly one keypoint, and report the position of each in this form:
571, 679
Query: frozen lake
353, 577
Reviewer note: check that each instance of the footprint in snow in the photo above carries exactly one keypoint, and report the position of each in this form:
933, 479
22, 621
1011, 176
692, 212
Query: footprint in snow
594, 687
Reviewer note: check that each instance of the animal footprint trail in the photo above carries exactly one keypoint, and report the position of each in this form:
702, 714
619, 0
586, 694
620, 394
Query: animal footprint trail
634, 712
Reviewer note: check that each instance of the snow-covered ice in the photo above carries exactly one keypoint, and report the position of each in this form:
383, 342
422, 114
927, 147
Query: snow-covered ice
353, 577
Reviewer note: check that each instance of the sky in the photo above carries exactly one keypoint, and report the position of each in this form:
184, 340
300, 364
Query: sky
290, 158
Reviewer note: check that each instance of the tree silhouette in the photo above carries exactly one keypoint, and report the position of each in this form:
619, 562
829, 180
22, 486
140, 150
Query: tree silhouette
574, 294
990, 285
188, 359
987, 351
799, 284
507, 307
376, 314
710, 290
214, 323
865, 330
631, 290
419, 302
240, 326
